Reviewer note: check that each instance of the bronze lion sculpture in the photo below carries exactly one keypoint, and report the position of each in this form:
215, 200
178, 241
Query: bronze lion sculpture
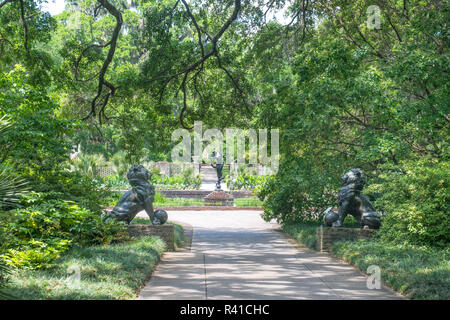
352, 201
139, 198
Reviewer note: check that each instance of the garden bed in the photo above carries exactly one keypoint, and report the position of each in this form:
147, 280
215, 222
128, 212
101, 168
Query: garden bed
115, 271
417, 272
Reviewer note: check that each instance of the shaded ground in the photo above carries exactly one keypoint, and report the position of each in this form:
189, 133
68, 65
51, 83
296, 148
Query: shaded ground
236, 255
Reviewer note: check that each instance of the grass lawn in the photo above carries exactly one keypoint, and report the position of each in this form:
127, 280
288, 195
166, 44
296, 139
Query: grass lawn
247, 202
417, 272
194, 202
116, 271
178, 202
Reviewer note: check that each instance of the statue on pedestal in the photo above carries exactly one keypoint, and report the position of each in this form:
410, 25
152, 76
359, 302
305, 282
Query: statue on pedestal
217, 158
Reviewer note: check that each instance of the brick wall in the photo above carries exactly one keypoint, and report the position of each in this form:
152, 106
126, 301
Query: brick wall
326, 236
201, 193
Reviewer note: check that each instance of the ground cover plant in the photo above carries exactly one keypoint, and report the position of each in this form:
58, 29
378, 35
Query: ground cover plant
418, 272
115, 271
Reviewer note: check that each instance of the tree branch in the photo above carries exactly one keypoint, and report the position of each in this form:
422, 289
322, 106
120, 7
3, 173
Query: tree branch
198, 65
101, 77
25, 27
199, 34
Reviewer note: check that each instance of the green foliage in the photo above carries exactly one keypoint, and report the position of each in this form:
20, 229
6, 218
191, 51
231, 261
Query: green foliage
73, 186
306, 231
35, 142
88, 164
11, 187
160, 182
178, 202
247, 202
34, 254
302, 196
177, 182
246, 181
343, 95
47, 226
5, 272
120, 164
159, 198
352, 97
415, 197
416, 271
24, 35
116, 182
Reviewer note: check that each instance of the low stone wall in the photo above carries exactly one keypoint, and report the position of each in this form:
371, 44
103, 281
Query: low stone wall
166, 232
326, 236
201, 193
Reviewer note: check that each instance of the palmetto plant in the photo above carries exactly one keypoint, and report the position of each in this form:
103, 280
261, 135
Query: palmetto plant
88, 164
5, 125
119, 163
11, 187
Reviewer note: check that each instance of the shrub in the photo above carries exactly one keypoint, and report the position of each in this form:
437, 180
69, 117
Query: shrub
73, 186
415, 197
177, 182
246, 181
36, 254
42, 231
298, 192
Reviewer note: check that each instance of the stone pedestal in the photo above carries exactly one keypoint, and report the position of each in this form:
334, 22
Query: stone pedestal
219, 198
326, 236
165, 232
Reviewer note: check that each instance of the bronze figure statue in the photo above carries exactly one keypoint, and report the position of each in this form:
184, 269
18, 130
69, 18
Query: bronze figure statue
217, 157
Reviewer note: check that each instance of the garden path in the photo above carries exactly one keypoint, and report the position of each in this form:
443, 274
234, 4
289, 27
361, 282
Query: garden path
237, 255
